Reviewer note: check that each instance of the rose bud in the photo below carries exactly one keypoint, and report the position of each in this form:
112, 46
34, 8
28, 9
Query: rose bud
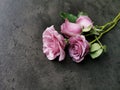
53, 44
70, 29
78, 48
85, 23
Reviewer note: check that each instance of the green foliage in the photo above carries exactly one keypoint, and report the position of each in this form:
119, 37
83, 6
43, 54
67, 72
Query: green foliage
95, 47
70, 17
96, 53
96, 50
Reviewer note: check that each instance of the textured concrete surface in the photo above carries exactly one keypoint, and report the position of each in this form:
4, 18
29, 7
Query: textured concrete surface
23, 66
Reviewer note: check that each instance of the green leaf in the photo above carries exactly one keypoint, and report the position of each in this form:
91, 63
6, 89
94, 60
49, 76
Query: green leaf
87, 29
94, 47
70, 17
82, 14
96, 53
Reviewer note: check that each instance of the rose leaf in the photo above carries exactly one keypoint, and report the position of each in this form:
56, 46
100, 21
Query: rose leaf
70, 17
94, 47
96, 53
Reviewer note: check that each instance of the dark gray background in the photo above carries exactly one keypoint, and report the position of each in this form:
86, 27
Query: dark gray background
23, 66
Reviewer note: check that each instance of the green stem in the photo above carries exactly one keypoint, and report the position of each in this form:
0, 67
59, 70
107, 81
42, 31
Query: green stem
103, 33
98, 41
116, 19
112, 23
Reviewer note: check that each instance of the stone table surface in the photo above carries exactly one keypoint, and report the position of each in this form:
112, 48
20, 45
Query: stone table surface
23, 66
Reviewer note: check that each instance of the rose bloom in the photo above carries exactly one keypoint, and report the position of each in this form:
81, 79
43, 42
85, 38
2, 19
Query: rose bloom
78, 48
85, 22
53, 44
70, 29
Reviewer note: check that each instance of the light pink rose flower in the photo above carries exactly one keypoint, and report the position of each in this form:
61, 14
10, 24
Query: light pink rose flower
53, 44
78, 48
70, 29
85, 22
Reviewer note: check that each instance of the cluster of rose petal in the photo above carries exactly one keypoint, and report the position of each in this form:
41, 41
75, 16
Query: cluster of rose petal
54, 43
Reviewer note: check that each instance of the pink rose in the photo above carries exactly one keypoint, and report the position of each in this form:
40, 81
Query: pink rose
78, 48
70, 29
53, 44
85, 23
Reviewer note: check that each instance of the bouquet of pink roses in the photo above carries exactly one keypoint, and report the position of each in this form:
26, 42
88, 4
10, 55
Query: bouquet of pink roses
81, 36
